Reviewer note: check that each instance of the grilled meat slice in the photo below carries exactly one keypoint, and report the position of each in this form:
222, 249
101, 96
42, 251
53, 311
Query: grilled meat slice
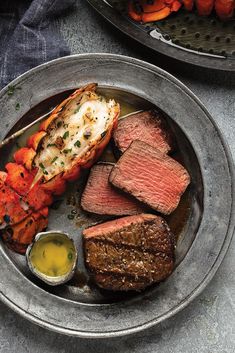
148, 126
102, 198
129, 253
151, 176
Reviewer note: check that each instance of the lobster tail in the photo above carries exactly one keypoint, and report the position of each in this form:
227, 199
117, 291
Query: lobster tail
70, 139
204, 7
224, 8
155, 10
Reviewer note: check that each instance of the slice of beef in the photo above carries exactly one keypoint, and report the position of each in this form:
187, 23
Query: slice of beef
129, 253
102, 198
146, 126
151, 176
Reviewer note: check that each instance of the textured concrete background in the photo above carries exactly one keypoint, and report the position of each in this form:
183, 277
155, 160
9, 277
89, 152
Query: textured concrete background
208, 324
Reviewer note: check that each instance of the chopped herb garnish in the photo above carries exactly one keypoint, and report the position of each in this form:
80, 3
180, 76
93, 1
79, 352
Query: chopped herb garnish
62, 163
87, 134
70, 256
77, 109
59, 124
66, 134
54, 159
6, 218
77, 143
10, 90
17, 106
41, 166
66, 125
67, 150
103, 134
51, 145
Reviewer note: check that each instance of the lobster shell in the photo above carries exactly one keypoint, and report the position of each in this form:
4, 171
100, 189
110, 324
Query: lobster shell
204, 7
224, 8
155, 10
26, 191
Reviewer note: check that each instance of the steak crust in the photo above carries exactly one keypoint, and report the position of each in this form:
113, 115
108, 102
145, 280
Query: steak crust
129, 253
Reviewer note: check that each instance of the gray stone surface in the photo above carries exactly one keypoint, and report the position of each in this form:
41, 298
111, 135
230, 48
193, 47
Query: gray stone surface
208, 324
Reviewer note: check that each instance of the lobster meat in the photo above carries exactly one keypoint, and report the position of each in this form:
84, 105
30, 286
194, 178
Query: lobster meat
70, 139
155, 10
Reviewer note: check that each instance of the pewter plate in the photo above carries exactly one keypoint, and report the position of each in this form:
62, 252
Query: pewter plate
79, 308
185, 36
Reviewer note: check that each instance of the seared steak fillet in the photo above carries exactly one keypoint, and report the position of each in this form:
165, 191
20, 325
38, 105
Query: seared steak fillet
146, 126
151, 176
102, 198
129, 253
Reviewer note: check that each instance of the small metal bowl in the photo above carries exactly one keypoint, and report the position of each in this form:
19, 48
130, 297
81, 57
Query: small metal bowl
57, 280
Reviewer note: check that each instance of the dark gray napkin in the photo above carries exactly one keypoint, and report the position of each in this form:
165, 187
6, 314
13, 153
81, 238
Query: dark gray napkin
29, 36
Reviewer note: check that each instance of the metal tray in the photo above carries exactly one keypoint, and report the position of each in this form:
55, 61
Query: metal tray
81, 309
187, 37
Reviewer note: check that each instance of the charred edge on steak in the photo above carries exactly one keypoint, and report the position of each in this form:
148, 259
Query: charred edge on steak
131, 258
120, 283
121, 239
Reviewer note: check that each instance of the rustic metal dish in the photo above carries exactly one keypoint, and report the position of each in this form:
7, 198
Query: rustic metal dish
206, 42
78, 308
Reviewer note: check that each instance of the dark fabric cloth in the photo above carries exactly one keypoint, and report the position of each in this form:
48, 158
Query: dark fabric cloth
29, 35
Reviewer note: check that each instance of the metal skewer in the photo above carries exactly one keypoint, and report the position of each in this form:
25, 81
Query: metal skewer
129, 114
21, 131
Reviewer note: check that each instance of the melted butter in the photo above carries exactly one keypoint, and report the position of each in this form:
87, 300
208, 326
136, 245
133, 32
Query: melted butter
53, 255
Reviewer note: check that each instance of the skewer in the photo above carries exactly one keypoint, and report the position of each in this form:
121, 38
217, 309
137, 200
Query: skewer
24, 129
129, 114
21, 131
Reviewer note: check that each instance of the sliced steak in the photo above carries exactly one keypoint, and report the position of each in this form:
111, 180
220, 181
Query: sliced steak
151, 176
146, 126
129, 253
102, 198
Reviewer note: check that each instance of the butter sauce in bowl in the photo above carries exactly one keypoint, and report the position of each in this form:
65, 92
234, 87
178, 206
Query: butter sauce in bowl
52, 257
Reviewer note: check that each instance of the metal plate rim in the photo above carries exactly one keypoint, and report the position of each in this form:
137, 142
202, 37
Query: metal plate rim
224, 247
129, 29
